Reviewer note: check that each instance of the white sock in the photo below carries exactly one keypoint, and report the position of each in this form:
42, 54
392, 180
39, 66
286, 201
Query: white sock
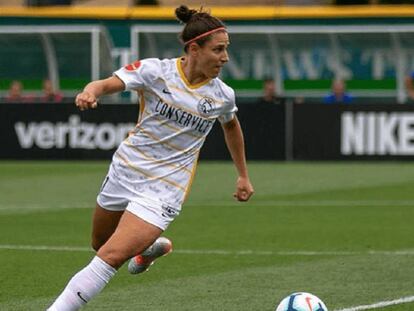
84, 285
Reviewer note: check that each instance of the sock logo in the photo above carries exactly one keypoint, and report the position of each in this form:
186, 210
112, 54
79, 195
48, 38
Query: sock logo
83, 299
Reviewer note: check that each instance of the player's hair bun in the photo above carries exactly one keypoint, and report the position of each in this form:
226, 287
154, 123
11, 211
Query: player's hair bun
184, 14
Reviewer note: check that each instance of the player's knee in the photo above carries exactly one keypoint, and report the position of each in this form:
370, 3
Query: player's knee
97, 243
114, 258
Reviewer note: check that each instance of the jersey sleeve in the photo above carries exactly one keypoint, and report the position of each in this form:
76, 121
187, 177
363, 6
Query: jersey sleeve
229, 108
139, 74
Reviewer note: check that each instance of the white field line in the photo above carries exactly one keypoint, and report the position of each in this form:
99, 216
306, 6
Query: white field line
377, 305
45, 248
307, 203
24, 207
215, 251
380, 304
4, 207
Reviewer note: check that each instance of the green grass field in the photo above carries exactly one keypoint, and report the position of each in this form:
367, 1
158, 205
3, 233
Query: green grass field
342, 231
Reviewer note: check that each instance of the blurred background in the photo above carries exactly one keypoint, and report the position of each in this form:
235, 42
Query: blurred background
325, 96
325, 78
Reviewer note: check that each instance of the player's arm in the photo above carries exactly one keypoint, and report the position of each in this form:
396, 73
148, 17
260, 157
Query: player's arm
89, 96
235, 143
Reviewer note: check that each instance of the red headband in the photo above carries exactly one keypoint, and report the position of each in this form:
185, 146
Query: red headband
204, 34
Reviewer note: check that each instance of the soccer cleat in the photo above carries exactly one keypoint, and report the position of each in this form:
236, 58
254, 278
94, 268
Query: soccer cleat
141, 263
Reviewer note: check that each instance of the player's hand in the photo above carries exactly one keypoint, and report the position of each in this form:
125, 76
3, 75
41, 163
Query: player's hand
86, 100
244, 189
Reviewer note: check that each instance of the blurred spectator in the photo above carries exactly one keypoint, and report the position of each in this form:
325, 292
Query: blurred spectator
269, 94
49, 94
15, 92
338, 94
409, 86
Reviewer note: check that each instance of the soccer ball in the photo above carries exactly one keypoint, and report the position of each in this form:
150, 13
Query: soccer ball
301, 302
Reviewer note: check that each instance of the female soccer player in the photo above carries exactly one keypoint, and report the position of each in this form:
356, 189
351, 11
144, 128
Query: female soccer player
152, 170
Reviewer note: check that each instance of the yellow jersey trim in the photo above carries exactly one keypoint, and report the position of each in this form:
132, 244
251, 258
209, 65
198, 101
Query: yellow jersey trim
187, 189
141, 130
164, 122
186, 110
147, 157
129, 164
141, 106
177, 88
184, 78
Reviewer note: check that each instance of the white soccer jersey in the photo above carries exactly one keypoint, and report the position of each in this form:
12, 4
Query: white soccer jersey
158, 159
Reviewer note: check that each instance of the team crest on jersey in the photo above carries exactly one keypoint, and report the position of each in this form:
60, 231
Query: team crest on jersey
133, 66
206, 106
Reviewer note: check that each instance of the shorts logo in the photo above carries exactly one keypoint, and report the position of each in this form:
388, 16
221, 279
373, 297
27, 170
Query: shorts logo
206, 106
168, 211
133, 66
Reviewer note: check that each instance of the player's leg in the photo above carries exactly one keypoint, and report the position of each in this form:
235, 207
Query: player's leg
104, 223
110, 205
133, 235
159, 215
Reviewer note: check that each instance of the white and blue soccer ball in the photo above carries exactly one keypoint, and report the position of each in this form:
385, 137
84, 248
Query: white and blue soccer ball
301, 302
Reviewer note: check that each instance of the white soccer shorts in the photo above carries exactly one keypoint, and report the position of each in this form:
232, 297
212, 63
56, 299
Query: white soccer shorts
114, 196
